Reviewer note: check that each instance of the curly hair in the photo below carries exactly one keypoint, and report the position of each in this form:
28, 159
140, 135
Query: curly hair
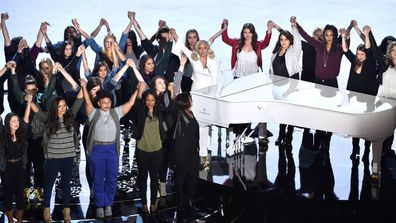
241, 41
195, 55
20, 133
53, 118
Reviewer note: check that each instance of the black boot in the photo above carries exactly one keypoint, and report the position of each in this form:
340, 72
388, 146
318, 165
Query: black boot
281, 135
366, 153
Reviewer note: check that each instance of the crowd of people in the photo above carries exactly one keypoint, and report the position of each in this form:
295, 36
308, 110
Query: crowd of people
148, 85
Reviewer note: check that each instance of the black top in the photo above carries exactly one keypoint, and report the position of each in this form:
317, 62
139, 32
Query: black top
365, 81
308, 62
279, 65
185, 139
13, 151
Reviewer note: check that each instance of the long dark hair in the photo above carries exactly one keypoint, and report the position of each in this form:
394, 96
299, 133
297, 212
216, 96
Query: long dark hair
144, 97
361, 47
93, 82
241, 41
385, 42
334, 44
20, 133
132, 37
146, 76
183, 101
62, 49
53, 119
288, 36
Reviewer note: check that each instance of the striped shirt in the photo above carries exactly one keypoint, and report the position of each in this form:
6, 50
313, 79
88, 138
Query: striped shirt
61, 144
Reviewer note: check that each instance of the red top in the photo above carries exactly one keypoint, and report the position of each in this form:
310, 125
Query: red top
235, 47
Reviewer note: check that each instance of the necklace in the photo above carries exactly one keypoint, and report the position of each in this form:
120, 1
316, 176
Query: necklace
325, 58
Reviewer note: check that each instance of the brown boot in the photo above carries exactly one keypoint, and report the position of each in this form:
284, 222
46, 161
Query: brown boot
19, 216
66, 215
47, 215
10, 216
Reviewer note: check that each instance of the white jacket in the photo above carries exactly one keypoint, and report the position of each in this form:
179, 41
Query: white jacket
292, 55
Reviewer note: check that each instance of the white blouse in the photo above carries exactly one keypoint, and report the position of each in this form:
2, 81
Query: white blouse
388, 87
246, 63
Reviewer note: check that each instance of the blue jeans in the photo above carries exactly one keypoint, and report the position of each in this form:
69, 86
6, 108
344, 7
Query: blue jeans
52, 166
103, 163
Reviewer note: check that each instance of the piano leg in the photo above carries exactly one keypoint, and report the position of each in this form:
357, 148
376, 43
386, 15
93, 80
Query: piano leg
376, 167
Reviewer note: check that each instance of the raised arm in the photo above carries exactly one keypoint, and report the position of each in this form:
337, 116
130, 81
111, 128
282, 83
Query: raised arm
345, 46
102, 23
131, 16
126, 107
136, 25
66, 75
78, 28
315, 43
88, 103
87, 71
16, 90
297, 46
161, 24
358, 31
4, 30
216, 35
6, 67
40, 35
366, 32
179, 75
120, 55
28, 99
224, 35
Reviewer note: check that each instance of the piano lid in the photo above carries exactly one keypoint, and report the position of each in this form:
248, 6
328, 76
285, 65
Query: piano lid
260, 88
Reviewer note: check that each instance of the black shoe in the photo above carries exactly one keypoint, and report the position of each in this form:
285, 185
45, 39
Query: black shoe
278, 141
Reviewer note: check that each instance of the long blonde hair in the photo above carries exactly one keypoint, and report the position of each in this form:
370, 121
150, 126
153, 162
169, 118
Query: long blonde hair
107, 52
195, 55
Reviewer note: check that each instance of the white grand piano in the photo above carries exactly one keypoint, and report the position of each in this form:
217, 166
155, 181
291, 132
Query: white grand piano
270, 98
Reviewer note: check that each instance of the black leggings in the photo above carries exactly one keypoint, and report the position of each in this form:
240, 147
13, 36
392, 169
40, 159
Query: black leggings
13, 180
148, 162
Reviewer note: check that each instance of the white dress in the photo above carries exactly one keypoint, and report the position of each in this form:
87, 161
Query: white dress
388, 87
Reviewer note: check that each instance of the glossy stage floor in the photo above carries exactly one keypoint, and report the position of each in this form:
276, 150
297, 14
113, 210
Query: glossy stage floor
270, 186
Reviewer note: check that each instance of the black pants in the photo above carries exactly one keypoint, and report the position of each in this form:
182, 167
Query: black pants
186, 84
148, 162
163, 171
35, 155
13, 180
186, 174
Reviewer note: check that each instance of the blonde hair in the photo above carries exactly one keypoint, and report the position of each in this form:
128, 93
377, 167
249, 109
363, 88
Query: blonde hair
47, 61
195, 55
106, 51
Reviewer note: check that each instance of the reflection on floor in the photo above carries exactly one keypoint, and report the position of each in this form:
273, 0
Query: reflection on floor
239, 188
